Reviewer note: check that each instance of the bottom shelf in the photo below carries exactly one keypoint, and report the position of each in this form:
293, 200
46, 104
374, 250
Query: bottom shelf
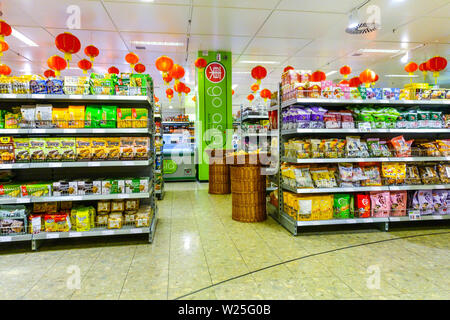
91, 233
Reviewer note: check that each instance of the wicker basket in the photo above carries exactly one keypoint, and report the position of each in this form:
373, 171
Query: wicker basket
219, 173
248, 198
249, 213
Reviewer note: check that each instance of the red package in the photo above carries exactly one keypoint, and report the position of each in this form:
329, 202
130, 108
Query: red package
402, 148
363, 205
398, 203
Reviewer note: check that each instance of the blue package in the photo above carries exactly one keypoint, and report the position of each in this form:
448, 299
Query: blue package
55, 86
378, 93
38, 86
370, 93
396, 93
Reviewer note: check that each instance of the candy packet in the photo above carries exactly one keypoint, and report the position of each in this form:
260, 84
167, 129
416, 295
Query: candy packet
398, 203
362, 206
380, 204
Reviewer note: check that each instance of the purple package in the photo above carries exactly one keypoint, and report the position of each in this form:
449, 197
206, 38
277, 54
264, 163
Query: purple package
425, 199
440, 201
303, 118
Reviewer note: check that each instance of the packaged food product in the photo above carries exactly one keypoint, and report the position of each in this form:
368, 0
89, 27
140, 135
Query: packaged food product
341, 148
83, 148
96, 187
37, 149
429, 175
109, 117
341, 206
444, 172
114, 221
60, 117
400, 146
83, 219
124, 118
112, 148
140, 117
346, 174
353, 147
53, 150
126, 148
373, 176
102, 219
322, 178
142, 220
10, 191
21, 150
38, 86
57, 223
326, 207
104, 206
385, 152
85, 187
131, 204
98, 149
441, 201
117, 205
362, 206
6, 150
398, 203
380, 204
443, 147
76, 116
141, 147
12, 120
44, 116
68, 149
136, 185
55, 86
315, 148
330, 148
425, 202
28, 115
374, 147
93, 117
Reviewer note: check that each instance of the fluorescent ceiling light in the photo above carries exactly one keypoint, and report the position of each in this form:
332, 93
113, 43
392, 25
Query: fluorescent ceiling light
234, 86
260, 62
23, 38
353, 19
159, 43
405, 58
379, 51
147, 0
170, 107
400, 76
330, 73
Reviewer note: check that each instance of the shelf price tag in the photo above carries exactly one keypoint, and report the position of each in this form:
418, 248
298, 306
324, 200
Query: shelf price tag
98, 130
107, 232
5, 239
135, 230
75, 234
122, 196
93, 164
52, 235
364, 127
22, 200
55, 165
394, 218
414, 215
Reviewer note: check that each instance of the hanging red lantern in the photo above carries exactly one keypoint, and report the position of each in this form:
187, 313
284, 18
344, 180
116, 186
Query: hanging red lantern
164, 64
68, 44
250, 97
169, 94
194, 98
232, 92
179, 88
411, 68
167, 79
259, 73
288, 68
200, 63
139, 68
367, 77
375, 80
345, 71
177, 72
113, 70
4, 70
49, 73
156, 99
265, 94
56, 63
3, 47
436, 64
132, 58
318, 76
423, 67
355, 82
254, 87
92, 52
187, 90
5, 30
344, 82
84, 65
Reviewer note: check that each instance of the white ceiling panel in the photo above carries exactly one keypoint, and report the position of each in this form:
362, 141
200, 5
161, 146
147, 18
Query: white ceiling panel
259, 4
172, 2
39, 35
149, 17
14, 15
341, 6
406, 8
306, 63
442, 12
156, 37
275, 46
260, 60
233, 44
305, 25
331, 48
226, 21
103, 40
53, 14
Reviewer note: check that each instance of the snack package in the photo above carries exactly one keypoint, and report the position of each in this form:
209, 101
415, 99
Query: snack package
68, 149
28, 115
322, 178
115, 221
76, 116
140, 117
12, 120
136, 185
443, 147
117, 205
124, 118
429, 175
141, 148
142, 220
380, 204
326, 206
104, 206
315, 148
402, 149
362, 206
83, 219
425, 202
373, 176
444, 172
93, 117
102, 219
53, 150
398, 203
441, 201
37, 149
6, 150
330, 148
57, 223
126, 148
374, 147
83, 149
341, 206
353, 147
109, 117
112, 148
44, 116
412, 175
38, 86
98, 149
385, 152
346, 174
60, 117
10, 191
55, 86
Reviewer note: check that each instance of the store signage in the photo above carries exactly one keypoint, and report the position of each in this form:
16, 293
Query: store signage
169, 166
215, 72
414, 215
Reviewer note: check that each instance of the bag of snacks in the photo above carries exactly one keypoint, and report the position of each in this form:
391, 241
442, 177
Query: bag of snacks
322, 178
380, 204
440, 201
374, 147
398, 203
341, 206
373, 176
353, 147
444, 172
425, 201
429, 174
363, 206
302, 177
443, 147
412, 175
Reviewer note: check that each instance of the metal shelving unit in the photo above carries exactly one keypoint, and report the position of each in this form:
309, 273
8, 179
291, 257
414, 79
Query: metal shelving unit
160, 191
61, 169
294, 226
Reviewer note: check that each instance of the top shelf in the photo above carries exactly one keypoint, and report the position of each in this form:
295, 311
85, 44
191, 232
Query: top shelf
359, 101
40, 98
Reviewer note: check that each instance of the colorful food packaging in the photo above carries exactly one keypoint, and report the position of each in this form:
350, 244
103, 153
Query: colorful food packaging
93, 117
425, 202
53, 149
37, 149
57, 223
444, 172
125, 117
341, 206
12, 120
412, 175
6, 150
98, 149
76, 116
398, 203
380, 204
117, 205
322, 178
68, 149
115, 221
55, 86
429, 175
83, 148
441, 201
10, 191
44, 116
140, 117
141, 148
83, 219
108, 117
142, 220
60, 117
362, 206
373, 176
326, 206
28, 115
104, 206
112, 148
402, 149
127, 148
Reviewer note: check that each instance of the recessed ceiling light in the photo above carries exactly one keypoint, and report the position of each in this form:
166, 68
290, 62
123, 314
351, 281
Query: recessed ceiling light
159, 43
259, 62
330, 73
379, 50
400, 76
170, 107
23, 38
147, 0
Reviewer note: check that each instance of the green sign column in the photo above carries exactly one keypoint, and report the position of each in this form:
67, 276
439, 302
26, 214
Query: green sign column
214, 107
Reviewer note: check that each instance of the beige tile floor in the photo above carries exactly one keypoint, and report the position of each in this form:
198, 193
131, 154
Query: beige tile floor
199, 252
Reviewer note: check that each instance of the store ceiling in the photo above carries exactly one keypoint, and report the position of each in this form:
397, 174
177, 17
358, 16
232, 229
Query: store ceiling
306, 34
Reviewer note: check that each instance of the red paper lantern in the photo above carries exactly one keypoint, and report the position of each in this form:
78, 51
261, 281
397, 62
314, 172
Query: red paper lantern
179, 88
132, 58
167, 78
355, 82
5, 30
84, 65
232, 92
259, 73
344, 82
92, 52
156, 99
318, 76
3, 47
113, 70
164, 64
411, 68
169, 94
250, 97
200, 63
376, 78
187, 90
345, 71
367, 77
139, 68
288, 68
436, 64
265, 94
56, 63
67, 43
423, 67
177, 72
254, 87
49, 73
5, 70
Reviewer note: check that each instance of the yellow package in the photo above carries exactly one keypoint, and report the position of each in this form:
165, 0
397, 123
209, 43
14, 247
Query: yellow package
73, 218
83, 146
140, 117
92, 216
83, 220
76, 116
113, 148
304, 208
124, 118
98, 148
60, 117
326, 207
315, 209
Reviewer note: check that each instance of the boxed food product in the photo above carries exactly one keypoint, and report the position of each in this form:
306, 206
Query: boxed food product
131, 204
117, 205
129, 217
102, 219
55, 86
56, 223
141, 147
108, 117
21, 150
98, 149
115, 221
104, 206
140, 117
96, 187
124, 117
6, 150
85, 187
93, 117
36, 190
68, 149
76, 116
10, 191
38, 86
102, 84
113, 148
53, 149
66, 205
37, 149
60, 117
126, 148
143, 220
113, 186
44, 116
83, 149
28, 115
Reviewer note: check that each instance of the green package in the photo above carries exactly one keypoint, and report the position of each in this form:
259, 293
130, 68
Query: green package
352, 206
53, 149
22, 150
93, 116
109, 117
37, 190
9, 191
68, 149
100, 84
362, 92
37, 149
2, 119
341, 206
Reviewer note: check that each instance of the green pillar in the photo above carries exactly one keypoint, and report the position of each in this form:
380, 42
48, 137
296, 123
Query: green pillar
214, 107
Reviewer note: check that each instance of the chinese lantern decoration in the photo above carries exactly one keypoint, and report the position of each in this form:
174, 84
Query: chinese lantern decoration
250, 97
436, 64
344, 82
156, 99
132, 58
177, 73
375, 80
194, 98
169, 94
200, 63
259, 73
84, 65
167, 79
187, 90
67, 43
265, 94
3, 47
288, 68
139, 68
423, 67
254, 87
318, 76
179, 88
4, 70
49, 73
411, 68
56, 63
232, 92
92, 52
164, 64
367, 77
113, 70
5, 30
355, 82
345, 71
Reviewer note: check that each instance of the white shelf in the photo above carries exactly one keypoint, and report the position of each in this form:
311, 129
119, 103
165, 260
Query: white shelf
273, 108
75, 164
92, 233
341, 221
360, 101
175, 122
74, 131
75, 97
343, 160
425, 217
343, 131
13, 238
420, 187
334, 190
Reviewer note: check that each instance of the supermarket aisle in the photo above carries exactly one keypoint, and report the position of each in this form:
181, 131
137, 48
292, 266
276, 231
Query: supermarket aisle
197, 245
